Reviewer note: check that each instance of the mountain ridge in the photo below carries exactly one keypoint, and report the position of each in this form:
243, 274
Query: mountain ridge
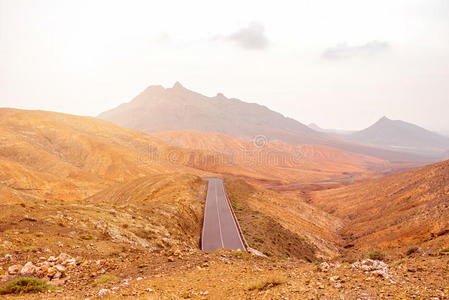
402, 135
159, 109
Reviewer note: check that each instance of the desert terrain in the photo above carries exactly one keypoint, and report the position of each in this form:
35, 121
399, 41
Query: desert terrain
98, 211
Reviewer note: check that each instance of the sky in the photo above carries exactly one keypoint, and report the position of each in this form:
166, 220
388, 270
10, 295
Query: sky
339, 64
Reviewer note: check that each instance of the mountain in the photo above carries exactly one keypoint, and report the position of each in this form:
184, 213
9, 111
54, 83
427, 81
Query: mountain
402, 210
159, 109
403, 136
330, 131
177, 108
444, 133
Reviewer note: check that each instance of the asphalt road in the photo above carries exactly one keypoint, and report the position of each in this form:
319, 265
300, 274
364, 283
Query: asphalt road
220, 227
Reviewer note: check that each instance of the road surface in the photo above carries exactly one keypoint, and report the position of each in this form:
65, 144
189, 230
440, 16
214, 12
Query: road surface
219, 227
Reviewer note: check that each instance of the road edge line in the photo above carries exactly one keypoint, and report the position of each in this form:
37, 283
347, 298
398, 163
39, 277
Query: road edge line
245, 243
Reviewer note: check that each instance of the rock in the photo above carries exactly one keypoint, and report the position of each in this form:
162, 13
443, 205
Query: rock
139, 278
62, 258
324, 267
177, 252
57, 275
171, 259
205, 293
52, 259
334, 278
8, 257
149, 290
375, 267
51, 272
60, 268
69, 262
29, 268
103, 292
14, 270
256, 252
337, 285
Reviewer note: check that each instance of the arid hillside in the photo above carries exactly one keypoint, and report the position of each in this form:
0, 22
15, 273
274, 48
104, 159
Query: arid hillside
283, 226
267, 163
403, 210
66, 157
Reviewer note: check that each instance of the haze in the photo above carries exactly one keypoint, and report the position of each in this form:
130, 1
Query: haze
338, 64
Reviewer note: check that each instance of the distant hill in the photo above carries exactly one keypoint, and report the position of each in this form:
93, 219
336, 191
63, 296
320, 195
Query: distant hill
276, 162
331, 131
403, 136
159, 109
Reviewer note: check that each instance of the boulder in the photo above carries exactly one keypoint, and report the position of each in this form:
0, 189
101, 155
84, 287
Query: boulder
28, 269
62, 258
14, 269
60, 268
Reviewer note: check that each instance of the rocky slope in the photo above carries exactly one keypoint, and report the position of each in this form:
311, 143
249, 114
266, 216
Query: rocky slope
394, 212
66, 157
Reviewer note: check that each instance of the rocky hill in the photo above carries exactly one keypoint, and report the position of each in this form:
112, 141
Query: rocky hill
403, 136
60, 156
403, 210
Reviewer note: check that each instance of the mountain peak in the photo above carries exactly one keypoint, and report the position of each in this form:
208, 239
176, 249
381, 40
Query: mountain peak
178, 85
384, 118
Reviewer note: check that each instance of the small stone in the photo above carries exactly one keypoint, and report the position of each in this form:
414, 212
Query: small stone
57, 275
62, 258
51, 272
15, 269
28, 268
60, 268
139, 278
149, 290
51, 259
103, 292
337, 285
324, 267
170, 259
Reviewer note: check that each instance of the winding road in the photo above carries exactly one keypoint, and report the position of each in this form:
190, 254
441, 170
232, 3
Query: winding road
220, 229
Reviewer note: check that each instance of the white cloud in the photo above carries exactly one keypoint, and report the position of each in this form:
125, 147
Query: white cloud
250, 37
344, 51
